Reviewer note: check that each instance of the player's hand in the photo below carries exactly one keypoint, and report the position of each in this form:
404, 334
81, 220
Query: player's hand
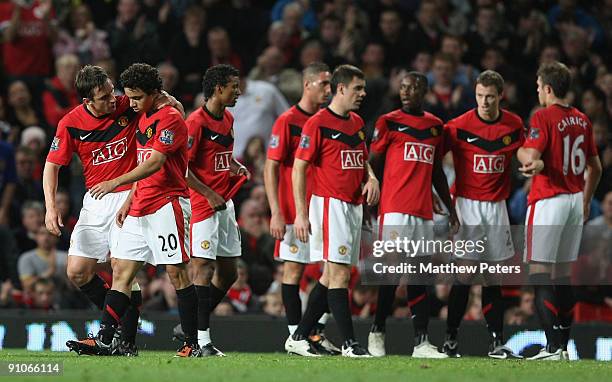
533, 168
216, 202
53, 221
301, 228
277, 226
453, 222
437, 205
244, 171
372, 191
99, 190
122, 214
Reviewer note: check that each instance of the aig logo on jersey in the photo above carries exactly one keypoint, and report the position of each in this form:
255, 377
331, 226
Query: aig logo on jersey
222, 161
143, 155
110, 152
419, 152
352, 159
489, 164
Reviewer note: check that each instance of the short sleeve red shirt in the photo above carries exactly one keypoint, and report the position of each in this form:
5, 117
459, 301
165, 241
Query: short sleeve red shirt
410, 145
335, 147
164, 131
284, 142
105, 145
210, 142
482, 154
564, 136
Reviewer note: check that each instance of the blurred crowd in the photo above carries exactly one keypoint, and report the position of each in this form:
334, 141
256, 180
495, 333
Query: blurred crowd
45, 42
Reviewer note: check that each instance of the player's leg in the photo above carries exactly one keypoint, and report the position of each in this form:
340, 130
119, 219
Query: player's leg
290, 289
457, 304
317, 305
82, 272
544, 229
384, 307
203, 270
187, 299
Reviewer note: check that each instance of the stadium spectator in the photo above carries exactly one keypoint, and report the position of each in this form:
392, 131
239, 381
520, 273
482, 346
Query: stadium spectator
43, 295
273, 305
32, 218
465, 73
605, 219
28, 188
397, 48
81, 37
60, 94
254, 157
21, 112
220, 48
594, 104
312, 51
8, 133
170, 77
240, 295
427, 30
188, 52
257, 246
488, 30
271, 67
44, 261
259, 106
27, 29
8, 181
132, 38
447, 99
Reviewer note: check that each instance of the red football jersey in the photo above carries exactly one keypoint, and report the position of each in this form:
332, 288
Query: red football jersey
106, 145
282, 147
564, 136
482, 154
211, 142
29, 54
410, 144
335, 147
165, 131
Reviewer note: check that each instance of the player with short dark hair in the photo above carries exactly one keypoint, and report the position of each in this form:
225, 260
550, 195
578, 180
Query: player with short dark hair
215, 236
101, 132
483, 142
333, 144
559, 202
154, 219
407, 149
283, 144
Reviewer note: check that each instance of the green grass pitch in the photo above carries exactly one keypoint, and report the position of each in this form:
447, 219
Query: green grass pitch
162, 366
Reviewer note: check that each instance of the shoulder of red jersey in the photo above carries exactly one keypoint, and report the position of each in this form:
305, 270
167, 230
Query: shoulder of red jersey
196, 116
169, 113
356, 117
512, 117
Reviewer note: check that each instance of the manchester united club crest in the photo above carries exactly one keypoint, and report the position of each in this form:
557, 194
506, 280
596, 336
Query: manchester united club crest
205, 244
342, 250
149, 132
293, 249
434, 131
123, 121
361, 135
507, 140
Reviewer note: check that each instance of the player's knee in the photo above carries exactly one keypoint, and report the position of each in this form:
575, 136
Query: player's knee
292, 273
339, 277
178, 276
78, 274
202, 271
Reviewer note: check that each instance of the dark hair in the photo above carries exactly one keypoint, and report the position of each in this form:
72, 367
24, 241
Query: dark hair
88, 79
491, 78
218, 75
344, 74
314, 68
143, 77
557, 76
420, 78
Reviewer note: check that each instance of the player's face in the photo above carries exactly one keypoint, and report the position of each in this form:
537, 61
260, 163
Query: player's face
354, 93
103, 101
229, 93
541, 92
487, 99
320, 88
411, 92
140, 101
